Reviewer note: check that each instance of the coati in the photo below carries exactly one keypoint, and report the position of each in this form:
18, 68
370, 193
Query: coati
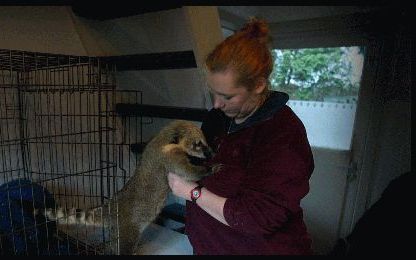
177, 148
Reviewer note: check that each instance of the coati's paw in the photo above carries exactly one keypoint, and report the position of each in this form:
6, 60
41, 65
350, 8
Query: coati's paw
193, 173
202, 171
215, 168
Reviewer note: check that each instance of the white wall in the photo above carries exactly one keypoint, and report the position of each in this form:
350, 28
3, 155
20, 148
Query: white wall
328, 125
323, 204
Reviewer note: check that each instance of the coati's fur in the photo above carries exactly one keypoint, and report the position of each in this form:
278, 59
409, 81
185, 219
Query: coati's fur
176, 148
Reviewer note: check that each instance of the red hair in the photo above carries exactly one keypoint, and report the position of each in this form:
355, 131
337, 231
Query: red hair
246, 52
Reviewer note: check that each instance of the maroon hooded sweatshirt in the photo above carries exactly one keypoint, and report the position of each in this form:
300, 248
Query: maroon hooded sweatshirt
266, 166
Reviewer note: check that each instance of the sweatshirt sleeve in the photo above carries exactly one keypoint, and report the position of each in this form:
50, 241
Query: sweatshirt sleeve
276, 181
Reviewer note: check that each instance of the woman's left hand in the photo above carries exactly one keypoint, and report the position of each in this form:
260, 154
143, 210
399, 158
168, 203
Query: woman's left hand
180, 187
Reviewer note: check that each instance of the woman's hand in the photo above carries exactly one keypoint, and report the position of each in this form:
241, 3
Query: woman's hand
180, 187
211, 203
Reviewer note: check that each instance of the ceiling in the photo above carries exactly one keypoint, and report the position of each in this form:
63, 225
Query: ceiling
102, 10
276, 14
113, 10
273, 14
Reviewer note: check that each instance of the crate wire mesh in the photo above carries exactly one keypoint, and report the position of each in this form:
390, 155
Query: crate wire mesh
60, 135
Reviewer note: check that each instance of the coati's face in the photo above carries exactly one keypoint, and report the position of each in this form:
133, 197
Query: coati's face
192, 141
187, 137
187, 150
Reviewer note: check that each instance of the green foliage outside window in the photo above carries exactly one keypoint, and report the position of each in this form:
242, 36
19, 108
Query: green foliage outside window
318, 73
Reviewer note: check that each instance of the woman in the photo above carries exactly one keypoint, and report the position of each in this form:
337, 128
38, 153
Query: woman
252, 204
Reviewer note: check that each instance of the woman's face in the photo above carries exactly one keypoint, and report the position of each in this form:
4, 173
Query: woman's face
235, 101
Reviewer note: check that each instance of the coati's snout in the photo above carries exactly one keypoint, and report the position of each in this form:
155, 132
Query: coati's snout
207, 152
193, 142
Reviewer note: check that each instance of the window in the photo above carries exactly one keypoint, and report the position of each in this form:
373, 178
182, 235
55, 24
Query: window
323, 85
226, 32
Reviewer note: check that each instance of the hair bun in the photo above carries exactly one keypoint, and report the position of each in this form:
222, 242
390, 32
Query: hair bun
257, 29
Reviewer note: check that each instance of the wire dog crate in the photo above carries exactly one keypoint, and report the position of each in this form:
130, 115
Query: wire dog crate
61, 143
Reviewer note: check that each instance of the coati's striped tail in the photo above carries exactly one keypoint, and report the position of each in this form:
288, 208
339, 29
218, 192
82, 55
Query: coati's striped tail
90, 217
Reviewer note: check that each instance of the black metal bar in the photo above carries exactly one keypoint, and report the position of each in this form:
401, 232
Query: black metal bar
144, 61
153, 61
59, 135
186, 113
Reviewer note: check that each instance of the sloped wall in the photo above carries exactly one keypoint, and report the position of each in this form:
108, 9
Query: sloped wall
182, 29
47, 29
